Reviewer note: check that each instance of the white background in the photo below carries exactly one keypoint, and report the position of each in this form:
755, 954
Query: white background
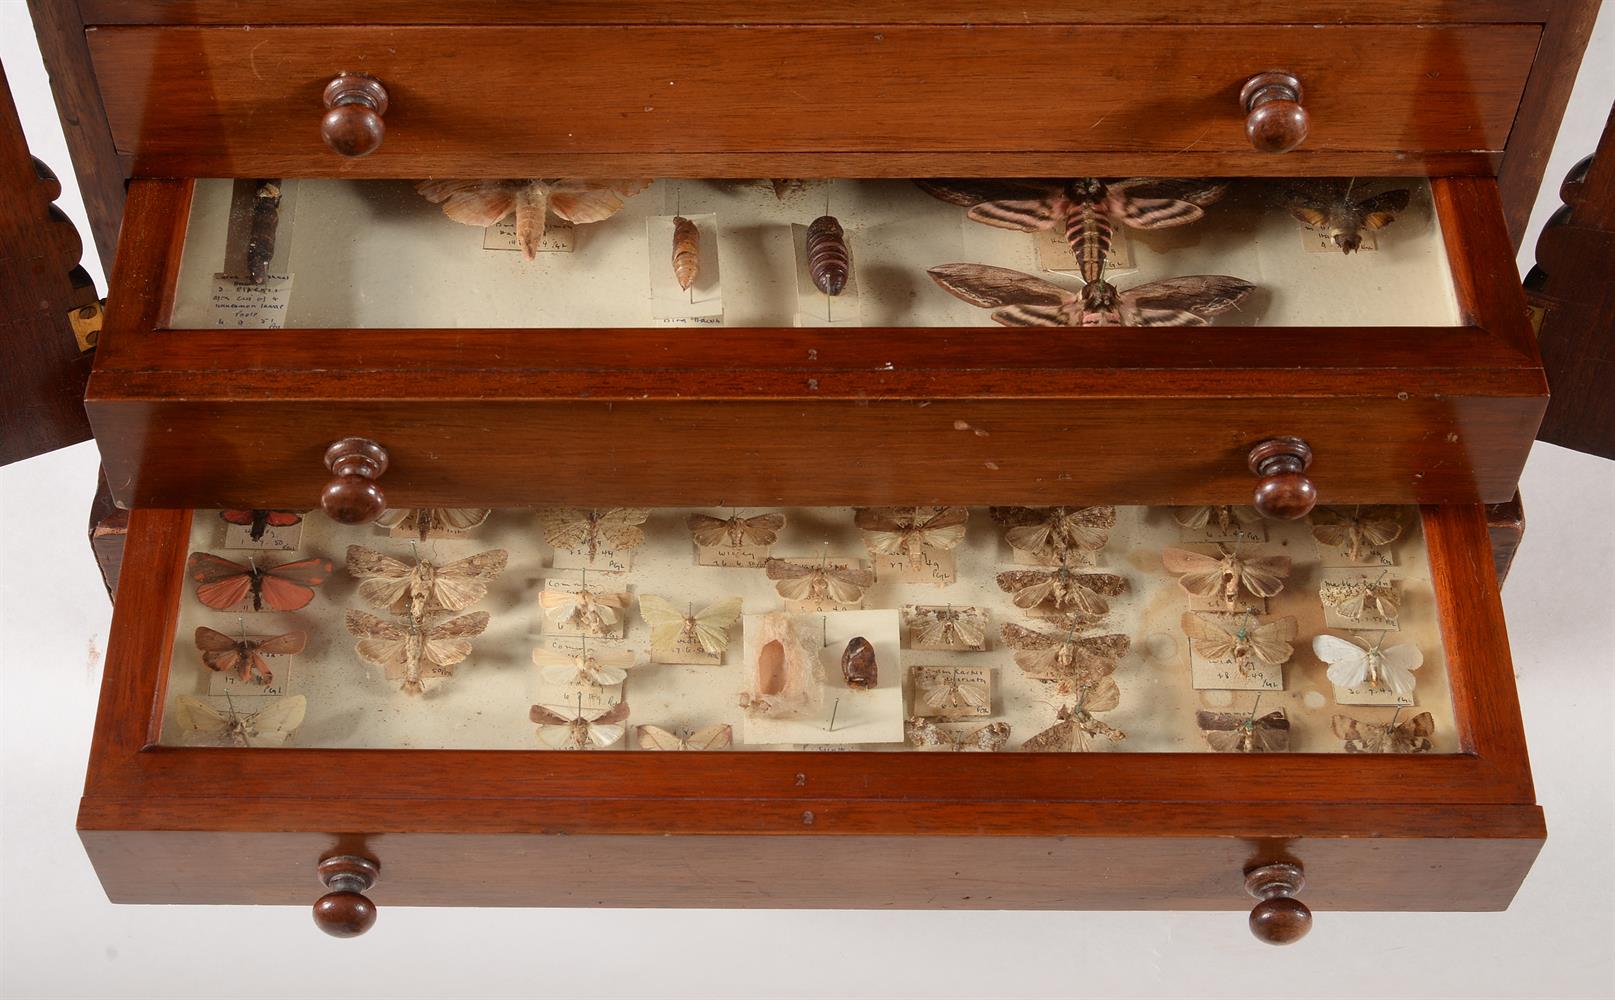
62, 938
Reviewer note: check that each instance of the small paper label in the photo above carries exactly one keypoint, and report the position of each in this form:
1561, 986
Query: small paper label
1054, 253
930, 565
603, 560
952, 692
1353, 599
278, 537
1365, 695
240, 305
1074, 556
702, 303
1227, 675
1317, 241
732, 556
557, 236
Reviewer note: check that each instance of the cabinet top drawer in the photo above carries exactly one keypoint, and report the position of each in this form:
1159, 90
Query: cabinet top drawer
749, 100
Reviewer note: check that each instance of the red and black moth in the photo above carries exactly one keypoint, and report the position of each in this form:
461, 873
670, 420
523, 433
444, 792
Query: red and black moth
261, 521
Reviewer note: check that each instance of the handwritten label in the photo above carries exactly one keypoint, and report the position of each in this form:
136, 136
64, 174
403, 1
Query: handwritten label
952, 692
1050, 556
1228, 675
929, 565
239, 536
732, 556
557, 238
1366, 695
1340, 589
602, 560
1317, 241
240, 305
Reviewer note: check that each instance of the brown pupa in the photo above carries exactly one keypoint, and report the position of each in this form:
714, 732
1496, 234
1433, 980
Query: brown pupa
771, 668
829, 261
686, 252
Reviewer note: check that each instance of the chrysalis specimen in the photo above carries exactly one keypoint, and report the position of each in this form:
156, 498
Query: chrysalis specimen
686, 252
858, 666
261, 230
829, 261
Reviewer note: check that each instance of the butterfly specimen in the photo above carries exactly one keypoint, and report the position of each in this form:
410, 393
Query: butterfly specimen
761, 529
707, 738
670, 627
796, 581
423, 587
1071, 659
223, 585
1358, 533
1047, 531
585, 729
1062, 587
260, 521
828, 259
686, 251
488, 202
1233, 732
909, 531
953, 692
425, 520
947, 627
928, 735
1225, 518
1085, 209
1242, 641
1019, 299
412, 651
1222, 576
1076, 726
1355, 664
1327, 206
1351, 598
269, 726
243, 658
595, 612
589, 531
1412, 736
599, 667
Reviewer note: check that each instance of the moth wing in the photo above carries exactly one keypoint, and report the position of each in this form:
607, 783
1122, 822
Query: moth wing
211, 641
1330, 534
275, 723
1225, 742
1027, 588
592, 201
946, 528
925, 626
1029, 316
1027, 215
1030, 537
1215, 642
1345, 728
548, 658
559, 603
1351, 607
780, 569
1348, 662
544, 716
450, 642
968, 191
660, 612
845, 588
708, 530
220, 583
620, 526
198, 716
971, 630
557, 735
1381, 531
1201, 296
1264, 576
1200, 191
712, 624
394, 517
1382, 209
1103, 696
795, 589
1420, 727
1199, 574
286, 644
1088, 527
463, 582
290, 586
470, 202
1270, 643
565, 527
1108, 584
1307, 207
994, 287
605, 734
1397, 665
762, 529
989, 738
1110, 647
1058, 738
1193, 518
657, 738
1158, 213
381, 642
974, 695
719, 737
938, 695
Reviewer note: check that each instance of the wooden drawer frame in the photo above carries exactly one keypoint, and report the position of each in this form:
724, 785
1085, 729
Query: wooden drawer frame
1123, 830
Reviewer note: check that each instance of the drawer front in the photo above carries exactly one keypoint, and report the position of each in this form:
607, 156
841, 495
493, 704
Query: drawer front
734, 100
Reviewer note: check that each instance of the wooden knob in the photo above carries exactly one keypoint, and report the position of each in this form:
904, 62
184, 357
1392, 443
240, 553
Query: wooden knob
1284, 492
345, 911
352, 124
1275, 121
353, 496
1279, 918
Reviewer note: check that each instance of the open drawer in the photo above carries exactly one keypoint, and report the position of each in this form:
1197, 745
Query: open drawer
354, 753
591, 377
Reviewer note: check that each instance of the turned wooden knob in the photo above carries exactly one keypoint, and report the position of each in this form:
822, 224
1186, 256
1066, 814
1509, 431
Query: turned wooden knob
352, 124
346, 911
353, 496
1275, 121
1279, 918
1284, 492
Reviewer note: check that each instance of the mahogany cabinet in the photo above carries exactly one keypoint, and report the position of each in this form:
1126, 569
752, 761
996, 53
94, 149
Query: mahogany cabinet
408, 362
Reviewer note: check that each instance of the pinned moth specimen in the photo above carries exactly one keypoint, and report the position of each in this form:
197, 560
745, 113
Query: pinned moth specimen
598, 667
707, 738
411, 651
909, 531
707, 629
1351, 598
948, 692
1359, 533
797, 581
947, 627
425, 520
1328, 207
1221, 577
1412, 736
1019, 299
1364, 662
1062, 587
584, 729
926, 734
828, 259
1227, 519
761, 530
858, 667
1072, 660
592, 612
223, 585
243, 658
425, 587
1075, 727
1085, 209
1242, 642
787, 186
1233, 732
686, 252
258, 522
229, 727
590, 531
1045, 532
487, 202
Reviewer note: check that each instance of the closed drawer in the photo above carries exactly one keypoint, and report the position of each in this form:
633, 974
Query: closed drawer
870, 100
445, 787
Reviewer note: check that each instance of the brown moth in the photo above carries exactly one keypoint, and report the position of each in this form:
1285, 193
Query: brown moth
805, 582
425, 587
954, 628
1019, 299
909, 531
1412, 736
243, 658
411, 651
1070, 659
1350, 598
425, 520
1045, 531
1233, 732
1062, 587
488, 202
1327, 206
589, 531
927, 734
1225, 517
708, 738
952, 692
269, 726
686, 252
1221, 577
829, 260
784, 186
583, 729
761, 530
1243, 642
1357, 532
1075, 726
